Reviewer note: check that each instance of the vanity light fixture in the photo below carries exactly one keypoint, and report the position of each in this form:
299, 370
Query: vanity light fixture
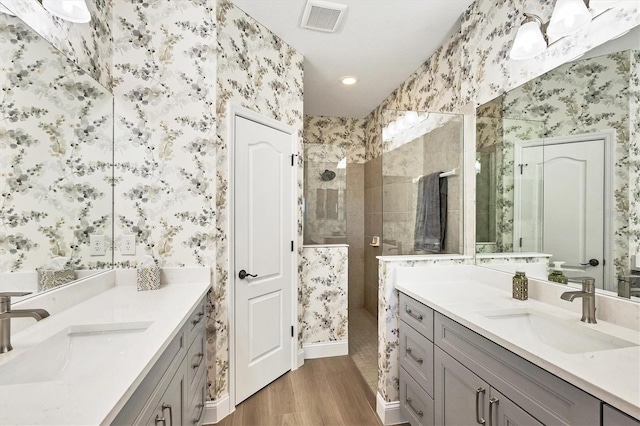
568, 17
69, 10
349, 80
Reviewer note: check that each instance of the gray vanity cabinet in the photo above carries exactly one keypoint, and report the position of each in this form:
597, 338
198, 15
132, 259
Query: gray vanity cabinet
460, 396
450, 375
173, 393
613, 417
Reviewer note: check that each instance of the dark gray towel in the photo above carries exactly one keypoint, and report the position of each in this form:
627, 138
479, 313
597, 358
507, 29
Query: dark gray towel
431, 214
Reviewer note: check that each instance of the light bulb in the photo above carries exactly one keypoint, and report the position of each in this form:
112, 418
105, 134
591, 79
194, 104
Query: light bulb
69, 10
411, 118
529, 41
568, 17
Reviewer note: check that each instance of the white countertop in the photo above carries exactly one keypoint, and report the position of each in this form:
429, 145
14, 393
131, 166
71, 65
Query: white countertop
99, 398
611, 375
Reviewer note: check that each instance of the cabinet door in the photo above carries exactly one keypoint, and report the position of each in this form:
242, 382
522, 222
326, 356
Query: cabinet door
613, 417
461, 397
503, 412
170, 410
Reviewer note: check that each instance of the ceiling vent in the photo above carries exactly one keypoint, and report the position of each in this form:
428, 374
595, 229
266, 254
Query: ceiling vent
322, 16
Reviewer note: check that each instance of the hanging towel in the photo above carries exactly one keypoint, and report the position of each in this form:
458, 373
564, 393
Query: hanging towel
431, 213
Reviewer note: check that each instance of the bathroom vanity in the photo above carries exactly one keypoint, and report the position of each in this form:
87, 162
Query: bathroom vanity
120, 357
470, 354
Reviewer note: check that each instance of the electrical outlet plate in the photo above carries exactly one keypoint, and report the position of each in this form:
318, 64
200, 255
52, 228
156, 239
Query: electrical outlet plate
128, 245
96, 245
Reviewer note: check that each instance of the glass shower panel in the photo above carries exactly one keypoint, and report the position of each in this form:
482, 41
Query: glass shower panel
422, 181
325, 182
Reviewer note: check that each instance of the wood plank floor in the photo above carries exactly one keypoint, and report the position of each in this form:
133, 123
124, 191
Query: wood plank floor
325, 391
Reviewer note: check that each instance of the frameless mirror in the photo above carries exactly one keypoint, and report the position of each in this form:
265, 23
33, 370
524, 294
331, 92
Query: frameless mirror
557, 169
56, 160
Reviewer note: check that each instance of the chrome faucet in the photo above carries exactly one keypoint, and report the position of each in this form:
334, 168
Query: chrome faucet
588, 296
6, 314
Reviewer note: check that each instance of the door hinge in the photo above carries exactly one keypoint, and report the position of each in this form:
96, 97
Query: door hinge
520, 241
291, 331
291, 245
293, 156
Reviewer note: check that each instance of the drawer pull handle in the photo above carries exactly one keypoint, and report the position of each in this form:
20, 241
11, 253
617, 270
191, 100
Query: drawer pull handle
479, 419
160, 420
419, 317
492, 402
201, 408
165, 407
415, 358
200, 357
418, 412
198, 318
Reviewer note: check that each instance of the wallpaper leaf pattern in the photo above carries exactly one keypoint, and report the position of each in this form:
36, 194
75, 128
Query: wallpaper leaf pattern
55, 144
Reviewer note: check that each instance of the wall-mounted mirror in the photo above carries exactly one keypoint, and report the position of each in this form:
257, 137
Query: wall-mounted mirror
557, 168
56, 165
422, 183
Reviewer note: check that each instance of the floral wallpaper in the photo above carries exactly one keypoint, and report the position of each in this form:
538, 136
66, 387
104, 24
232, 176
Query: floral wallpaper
388, 335
259, 71
634, 154
55, 156
323, 294
164, 68
346, 133
90, 45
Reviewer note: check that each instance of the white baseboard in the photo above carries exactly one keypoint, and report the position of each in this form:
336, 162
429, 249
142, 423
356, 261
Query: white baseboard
327, 349
214, 411
300, 358
389, 412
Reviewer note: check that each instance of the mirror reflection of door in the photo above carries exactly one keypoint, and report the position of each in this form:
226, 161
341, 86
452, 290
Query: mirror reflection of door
559, 196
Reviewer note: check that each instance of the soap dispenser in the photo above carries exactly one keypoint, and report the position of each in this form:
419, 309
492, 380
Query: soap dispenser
520, 286
556, 275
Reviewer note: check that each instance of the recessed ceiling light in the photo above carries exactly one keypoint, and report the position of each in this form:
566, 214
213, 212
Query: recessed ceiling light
349, 80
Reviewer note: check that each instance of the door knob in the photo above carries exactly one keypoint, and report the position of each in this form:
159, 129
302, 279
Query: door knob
244, 274
591, 262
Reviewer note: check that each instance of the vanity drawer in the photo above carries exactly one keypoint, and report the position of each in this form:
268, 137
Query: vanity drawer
416, 315
415, 404
196, 362
416, 356
196, 322
546, 397
195, 409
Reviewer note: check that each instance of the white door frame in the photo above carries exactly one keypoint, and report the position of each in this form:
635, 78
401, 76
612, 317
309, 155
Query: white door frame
609, 137
234, 111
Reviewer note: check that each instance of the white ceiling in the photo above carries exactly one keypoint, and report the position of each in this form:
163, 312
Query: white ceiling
382, 42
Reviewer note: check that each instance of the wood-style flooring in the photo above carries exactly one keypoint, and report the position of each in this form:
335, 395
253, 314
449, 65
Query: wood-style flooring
324, 391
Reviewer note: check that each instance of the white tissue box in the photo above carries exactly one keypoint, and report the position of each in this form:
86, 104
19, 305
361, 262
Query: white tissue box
148, 278
49, 278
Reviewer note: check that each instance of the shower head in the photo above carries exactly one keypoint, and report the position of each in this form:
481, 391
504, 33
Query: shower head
327, 175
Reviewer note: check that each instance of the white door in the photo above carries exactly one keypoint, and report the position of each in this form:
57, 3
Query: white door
567, 203
263, 246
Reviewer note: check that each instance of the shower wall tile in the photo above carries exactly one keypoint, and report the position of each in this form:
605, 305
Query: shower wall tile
324, 280
355, 233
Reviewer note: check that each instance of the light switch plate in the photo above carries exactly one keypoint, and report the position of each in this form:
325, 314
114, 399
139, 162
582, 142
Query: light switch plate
96, 245
128, 245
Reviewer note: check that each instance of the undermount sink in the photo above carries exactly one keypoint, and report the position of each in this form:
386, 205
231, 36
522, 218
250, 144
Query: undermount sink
554, 332
73, 354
